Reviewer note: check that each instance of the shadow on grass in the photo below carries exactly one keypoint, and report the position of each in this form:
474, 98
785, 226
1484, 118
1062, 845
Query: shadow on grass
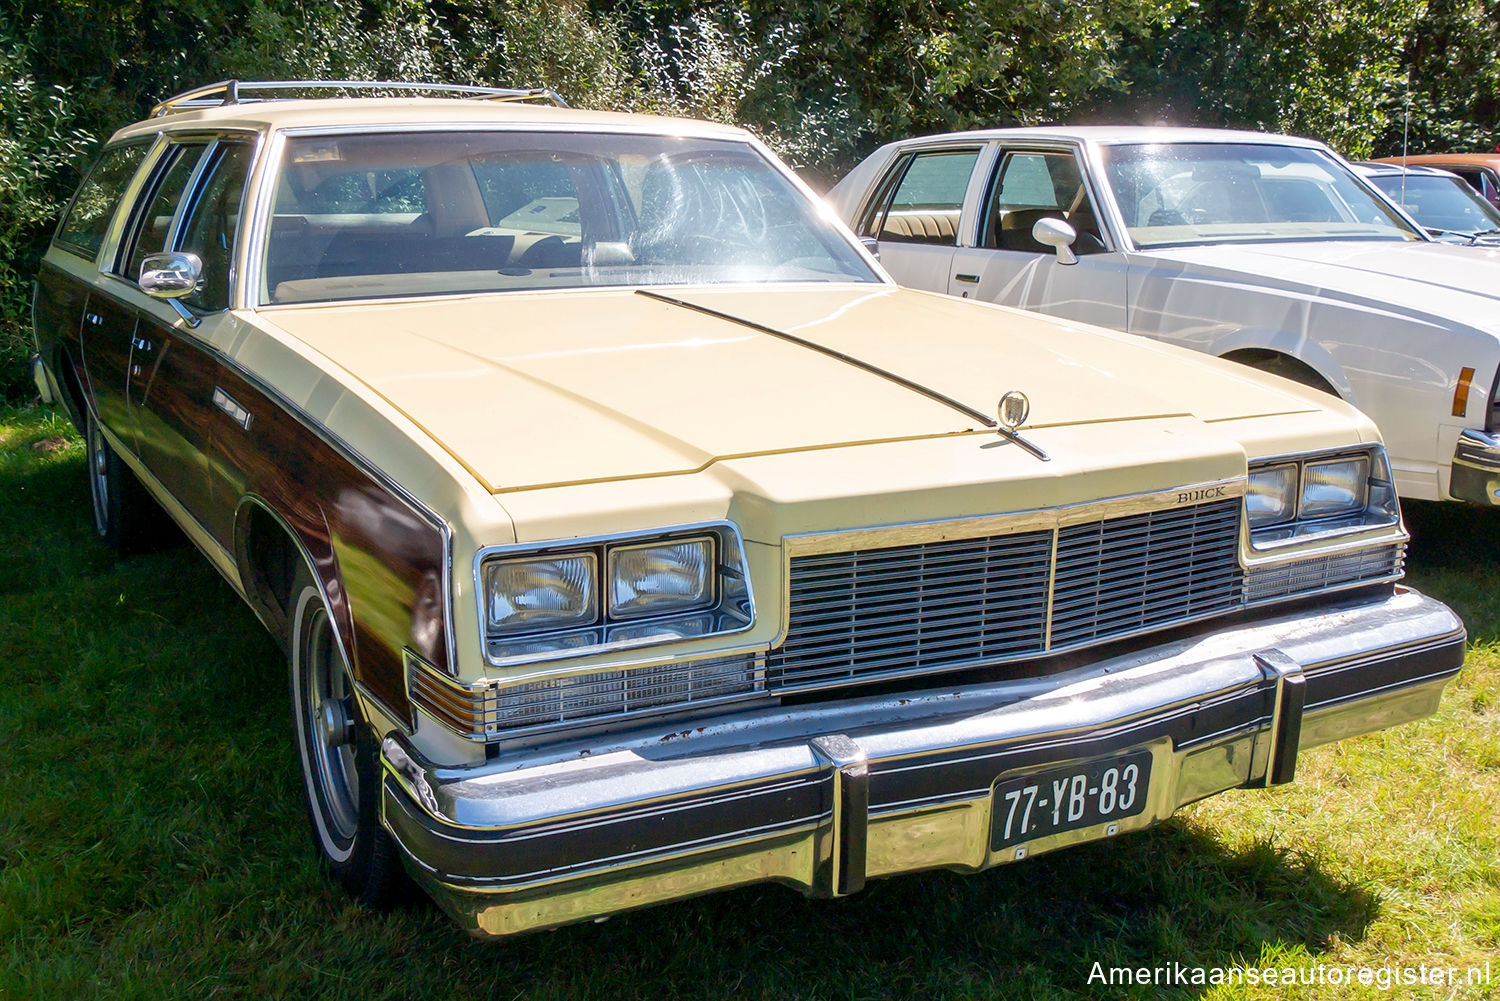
1455, 556
153, 842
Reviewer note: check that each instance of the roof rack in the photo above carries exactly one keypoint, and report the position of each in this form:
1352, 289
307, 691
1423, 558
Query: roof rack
224, 92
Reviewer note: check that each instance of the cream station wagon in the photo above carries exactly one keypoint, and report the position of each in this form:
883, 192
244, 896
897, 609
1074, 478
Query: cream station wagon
631, 535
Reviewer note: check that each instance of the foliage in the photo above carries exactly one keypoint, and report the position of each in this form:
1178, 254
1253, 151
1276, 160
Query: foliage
822, 81
40, 143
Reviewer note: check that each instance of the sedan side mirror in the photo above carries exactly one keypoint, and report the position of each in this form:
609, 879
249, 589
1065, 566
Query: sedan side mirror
872, 245
1058, 235
171, 276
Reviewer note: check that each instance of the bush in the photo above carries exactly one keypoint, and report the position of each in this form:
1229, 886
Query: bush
39, 155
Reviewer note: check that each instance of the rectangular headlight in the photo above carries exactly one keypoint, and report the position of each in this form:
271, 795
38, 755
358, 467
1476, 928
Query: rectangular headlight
661, 578
1272, 495
538, 595
1334, 488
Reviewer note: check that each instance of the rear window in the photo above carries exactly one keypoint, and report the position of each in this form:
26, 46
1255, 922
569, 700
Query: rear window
87, 220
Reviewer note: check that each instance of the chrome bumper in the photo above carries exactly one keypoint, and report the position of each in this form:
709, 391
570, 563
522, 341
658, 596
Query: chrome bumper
1475, 475
823, 796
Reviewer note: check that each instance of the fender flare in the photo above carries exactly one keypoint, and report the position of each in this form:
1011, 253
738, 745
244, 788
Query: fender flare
1293, 345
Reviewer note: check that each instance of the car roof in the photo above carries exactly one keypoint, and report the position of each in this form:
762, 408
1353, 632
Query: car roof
1112, 134
375, 112
1456, 159
1372, 168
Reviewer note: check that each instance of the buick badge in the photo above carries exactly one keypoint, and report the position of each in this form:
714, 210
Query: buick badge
1014, 409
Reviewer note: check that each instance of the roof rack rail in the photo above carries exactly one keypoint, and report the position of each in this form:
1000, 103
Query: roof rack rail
224, 92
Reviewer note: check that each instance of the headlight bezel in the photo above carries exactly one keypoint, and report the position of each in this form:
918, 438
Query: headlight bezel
731, 607
1379, 512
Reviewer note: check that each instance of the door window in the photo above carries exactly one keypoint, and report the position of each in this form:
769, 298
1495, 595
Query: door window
153, 224
83, 228
925, 206
1032, 185
212, 222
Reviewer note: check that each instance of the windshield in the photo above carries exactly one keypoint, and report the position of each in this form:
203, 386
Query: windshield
425, 213
1440, 202
1176, 194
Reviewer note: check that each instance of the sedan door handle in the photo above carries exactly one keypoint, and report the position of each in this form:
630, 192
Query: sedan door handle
971, 279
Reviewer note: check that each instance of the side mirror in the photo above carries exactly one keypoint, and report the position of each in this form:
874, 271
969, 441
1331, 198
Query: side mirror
872, 245
1058, 235
171, 276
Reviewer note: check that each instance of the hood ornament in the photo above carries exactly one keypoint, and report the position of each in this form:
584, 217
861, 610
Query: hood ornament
1013, 410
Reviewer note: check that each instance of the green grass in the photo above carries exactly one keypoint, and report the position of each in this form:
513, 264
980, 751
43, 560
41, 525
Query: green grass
153, 846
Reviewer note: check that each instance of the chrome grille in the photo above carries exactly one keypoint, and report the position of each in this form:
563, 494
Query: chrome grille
1122, 575
916, 608
1322, 573
920, 608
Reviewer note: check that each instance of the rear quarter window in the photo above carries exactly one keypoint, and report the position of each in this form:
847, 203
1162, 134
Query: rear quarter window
87, 219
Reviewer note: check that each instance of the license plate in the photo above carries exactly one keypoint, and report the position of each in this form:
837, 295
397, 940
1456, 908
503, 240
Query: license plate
1065, 799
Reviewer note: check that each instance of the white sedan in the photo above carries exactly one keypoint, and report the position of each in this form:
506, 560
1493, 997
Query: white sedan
1262, 249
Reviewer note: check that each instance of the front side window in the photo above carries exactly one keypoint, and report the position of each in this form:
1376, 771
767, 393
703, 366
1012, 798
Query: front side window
461, 212
927, 201
210, 227
1183, 194
83, 228
1032, 185
152, 223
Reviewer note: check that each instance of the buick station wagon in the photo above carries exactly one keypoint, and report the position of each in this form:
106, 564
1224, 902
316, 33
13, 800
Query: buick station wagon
631, 535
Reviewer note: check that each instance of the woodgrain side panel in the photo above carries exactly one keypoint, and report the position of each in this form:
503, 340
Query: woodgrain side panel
381, 562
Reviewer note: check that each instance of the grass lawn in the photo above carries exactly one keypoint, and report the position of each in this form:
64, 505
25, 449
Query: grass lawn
153, 844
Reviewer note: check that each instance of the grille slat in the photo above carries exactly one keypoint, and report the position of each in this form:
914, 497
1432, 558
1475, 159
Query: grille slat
909, 609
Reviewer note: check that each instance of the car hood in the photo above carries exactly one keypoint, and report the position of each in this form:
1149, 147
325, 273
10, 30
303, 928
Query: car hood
532, 390
1429, 280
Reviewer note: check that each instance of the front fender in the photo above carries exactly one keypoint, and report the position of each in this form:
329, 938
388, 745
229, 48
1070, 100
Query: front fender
1292, 343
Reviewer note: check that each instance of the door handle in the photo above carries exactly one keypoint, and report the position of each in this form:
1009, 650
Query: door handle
971, 279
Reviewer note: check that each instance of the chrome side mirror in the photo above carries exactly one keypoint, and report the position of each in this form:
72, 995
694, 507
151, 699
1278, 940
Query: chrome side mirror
872, 245
171, 276
1058, 235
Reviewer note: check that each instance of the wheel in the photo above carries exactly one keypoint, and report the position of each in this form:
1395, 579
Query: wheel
340, 765
124, 513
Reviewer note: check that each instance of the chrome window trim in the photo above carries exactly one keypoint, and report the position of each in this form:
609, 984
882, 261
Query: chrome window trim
719, 528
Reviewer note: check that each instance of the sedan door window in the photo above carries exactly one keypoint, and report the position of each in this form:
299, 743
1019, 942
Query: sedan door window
925, 205
1034, 185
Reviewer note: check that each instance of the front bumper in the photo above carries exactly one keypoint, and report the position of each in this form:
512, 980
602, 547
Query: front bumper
1475, 475
824, 796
